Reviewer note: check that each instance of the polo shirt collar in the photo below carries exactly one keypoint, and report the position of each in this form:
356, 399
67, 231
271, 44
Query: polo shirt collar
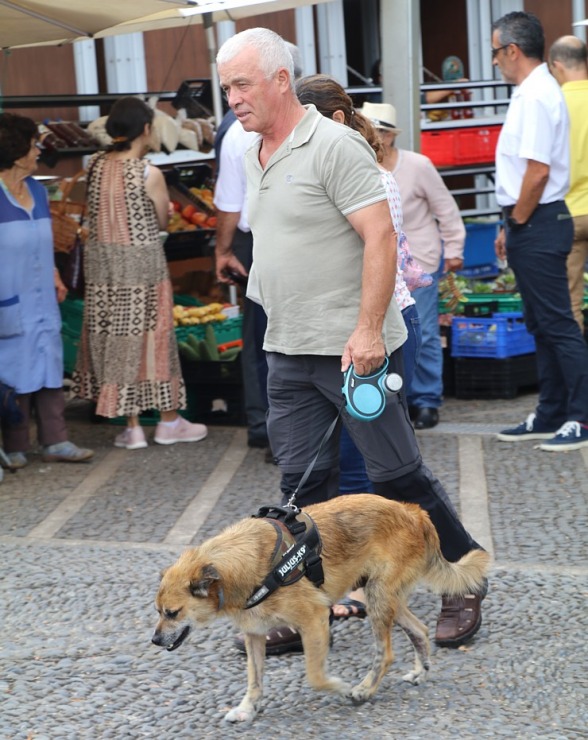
305, 128
299, 136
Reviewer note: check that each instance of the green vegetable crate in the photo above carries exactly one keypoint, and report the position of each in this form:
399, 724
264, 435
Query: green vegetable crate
483, 304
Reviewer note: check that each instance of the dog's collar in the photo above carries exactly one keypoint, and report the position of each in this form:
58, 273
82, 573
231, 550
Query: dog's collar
297, 552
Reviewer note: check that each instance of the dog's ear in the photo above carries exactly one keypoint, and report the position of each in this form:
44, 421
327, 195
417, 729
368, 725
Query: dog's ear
163, 571
201, 586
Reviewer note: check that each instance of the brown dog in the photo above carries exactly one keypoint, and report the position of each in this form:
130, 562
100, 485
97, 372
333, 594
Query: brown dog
386, 546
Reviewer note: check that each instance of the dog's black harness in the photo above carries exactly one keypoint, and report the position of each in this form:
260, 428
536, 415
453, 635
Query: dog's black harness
297, 552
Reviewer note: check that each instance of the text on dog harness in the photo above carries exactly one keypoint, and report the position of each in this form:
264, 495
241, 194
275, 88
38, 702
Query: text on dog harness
297, 552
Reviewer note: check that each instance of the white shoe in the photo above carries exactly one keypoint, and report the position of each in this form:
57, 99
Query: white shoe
183, 431
133, 438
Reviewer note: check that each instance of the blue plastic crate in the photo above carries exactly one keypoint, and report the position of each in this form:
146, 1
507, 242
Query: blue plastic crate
503, 335
479, 244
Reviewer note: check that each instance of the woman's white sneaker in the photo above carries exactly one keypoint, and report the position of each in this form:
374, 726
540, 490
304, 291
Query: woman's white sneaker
133, 438
181, 431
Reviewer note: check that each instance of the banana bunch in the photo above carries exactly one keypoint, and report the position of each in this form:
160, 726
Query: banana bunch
193, 315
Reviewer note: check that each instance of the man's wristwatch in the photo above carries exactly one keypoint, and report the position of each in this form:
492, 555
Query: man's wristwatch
513, 224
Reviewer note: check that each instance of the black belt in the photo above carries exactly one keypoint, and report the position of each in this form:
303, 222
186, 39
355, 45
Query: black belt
507, 210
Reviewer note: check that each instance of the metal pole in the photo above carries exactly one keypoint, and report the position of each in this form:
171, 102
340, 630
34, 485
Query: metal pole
217, 103
579, 14
401, 40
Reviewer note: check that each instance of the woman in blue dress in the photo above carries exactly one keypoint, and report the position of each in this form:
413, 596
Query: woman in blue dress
31, 351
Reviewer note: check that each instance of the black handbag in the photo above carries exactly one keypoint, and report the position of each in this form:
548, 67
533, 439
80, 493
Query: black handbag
71, 263
71, 268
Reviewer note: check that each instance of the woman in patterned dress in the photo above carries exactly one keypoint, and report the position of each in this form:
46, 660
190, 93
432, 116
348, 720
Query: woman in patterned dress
128, 360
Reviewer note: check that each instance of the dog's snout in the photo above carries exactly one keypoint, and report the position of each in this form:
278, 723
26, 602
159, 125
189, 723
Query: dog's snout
156, 639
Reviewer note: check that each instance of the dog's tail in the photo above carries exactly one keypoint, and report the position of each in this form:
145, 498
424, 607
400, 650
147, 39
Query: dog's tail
466, 576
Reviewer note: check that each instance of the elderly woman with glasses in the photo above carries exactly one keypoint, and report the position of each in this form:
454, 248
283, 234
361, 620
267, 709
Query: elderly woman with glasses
31, 351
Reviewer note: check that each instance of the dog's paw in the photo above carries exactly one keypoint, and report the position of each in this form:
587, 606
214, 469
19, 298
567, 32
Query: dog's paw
415, 677
239, 715
360, 694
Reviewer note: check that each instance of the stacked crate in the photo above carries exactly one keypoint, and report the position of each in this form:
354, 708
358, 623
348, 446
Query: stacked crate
494, 357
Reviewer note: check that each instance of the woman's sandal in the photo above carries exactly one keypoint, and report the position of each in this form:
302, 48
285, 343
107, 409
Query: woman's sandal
354, 608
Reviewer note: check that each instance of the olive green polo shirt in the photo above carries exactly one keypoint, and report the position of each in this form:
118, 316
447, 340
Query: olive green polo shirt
307, 258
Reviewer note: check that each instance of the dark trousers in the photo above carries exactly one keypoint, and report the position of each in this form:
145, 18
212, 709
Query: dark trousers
353, 477
48, 406
537, 253
305, 396
253, 362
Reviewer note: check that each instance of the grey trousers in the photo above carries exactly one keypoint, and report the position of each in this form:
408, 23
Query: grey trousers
304, 398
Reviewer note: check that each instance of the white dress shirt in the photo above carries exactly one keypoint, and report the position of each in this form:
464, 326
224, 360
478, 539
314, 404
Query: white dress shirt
536, 127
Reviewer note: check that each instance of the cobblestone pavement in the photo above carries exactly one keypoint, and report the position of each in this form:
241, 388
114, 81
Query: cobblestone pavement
82, 546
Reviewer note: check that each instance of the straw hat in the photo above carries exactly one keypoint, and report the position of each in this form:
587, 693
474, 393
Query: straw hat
382, 115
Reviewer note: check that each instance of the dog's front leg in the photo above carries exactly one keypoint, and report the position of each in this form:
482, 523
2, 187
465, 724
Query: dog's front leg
249, 706
315, 640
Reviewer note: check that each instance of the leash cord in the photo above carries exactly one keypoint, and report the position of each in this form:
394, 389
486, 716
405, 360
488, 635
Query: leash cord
327, 435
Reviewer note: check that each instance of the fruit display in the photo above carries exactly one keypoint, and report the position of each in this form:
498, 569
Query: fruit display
204, 197
191, 212
195, 315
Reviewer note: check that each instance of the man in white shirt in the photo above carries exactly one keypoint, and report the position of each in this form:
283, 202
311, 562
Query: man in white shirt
532, 178
234, 249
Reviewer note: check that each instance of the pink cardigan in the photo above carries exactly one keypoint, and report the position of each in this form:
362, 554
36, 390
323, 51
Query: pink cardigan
431, 215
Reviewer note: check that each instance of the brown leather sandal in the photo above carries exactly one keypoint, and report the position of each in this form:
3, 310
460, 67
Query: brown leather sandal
278, 641
459, 620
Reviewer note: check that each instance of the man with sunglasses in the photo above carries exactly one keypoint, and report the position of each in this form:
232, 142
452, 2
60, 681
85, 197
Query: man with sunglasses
532, 179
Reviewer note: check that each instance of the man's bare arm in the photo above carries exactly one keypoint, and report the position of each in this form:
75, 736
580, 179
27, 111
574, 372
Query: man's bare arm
226, 226
365, 348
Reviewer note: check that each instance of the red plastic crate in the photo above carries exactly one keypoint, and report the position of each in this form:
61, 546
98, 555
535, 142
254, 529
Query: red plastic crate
476, 145
439, 147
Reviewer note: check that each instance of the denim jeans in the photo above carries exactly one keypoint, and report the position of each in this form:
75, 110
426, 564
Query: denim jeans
426, 389
353, 476
537, 253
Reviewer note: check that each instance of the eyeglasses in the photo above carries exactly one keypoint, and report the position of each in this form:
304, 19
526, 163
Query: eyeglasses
497, 49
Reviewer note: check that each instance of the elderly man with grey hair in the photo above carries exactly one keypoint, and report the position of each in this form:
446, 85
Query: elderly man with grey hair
324, 265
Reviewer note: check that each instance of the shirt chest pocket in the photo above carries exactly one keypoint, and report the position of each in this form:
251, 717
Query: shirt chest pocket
510, 144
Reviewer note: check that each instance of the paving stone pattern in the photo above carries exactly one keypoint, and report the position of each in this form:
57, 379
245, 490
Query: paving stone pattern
76, 607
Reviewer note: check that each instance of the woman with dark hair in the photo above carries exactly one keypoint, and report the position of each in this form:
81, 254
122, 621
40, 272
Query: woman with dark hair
128, 360
332, 101
31, 350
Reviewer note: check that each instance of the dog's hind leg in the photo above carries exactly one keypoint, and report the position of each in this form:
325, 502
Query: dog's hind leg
249, 706
315, 640
419, 636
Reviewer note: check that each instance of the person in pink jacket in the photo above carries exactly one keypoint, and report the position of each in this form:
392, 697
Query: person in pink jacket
436, 234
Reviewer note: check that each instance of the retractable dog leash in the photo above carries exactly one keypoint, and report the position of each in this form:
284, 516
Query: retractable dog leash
364, 398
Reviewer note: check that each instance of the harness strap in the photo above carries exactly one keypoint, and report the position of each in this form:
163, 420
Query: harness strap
301, 558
